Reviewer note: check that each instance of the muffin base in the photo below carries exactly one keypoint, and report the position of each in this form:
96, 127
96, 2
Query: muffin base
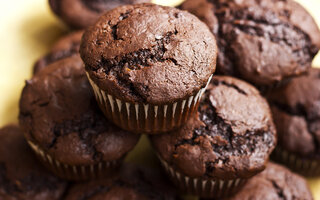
75, 172
204, 188
303, 166
146, 118
267, 90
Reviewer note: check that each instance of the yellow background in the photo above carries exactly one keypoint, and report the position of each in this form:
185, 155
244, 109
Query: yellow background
28, 29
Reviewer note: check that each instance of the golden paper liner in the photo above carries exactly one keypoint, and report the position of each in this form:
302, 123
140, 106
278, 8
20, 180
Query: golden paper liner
75, 172
303, 166
146, 118
204, 188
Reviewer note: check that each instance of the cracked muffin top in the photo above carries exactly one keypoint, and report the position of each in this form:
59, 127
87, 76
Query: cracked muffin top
81, 14
231, 137
58, 112
296, 111
149, 54
66, 46
133, 182
21, 175
275, 183
261, 41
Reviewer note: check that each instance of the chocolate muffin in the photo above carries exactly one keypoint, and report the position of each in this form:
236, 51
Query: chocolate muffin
296, 111
21, 175
81, 14
227, 142
65, 127
265, 42
132, 183
275, 183
66, 46
149, 65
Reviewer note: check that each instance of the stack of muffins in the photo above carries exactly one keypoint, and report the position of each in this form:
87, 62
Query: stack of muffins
148, 69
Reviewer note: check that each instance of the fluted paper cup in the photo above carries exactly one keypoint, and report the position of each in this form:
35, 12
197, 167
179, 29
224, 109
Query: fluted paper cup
146, 118
304, 166
74, 172
205, 188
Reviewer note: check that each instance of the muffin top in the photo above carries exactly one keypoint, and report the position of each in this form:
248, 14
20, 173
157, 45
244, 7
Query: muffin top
275, 183
149, 53
58, 112
66, 46
231, 136
21, 175
132, 183
80, 14
261, 41
296, 111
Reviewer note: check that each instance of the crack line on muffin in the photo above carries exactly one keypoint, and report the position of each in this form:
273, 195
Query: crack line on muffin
278, 189
120, 66
132, 89
138, 59
114, 28
231, 85
85, 127
114, 32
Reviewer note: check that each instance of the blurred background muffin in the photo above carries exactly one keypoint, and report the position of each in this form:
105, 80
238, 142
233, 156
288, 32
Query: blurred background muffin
81, 14
274, 183
21, 175
296, 113
133, 183
265, 42
66, 46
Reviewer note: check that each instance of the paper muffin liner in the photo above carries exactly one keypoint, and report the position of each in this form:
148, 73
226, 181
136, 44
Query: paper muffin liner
146, 118
205, 188
303, 166
74, 172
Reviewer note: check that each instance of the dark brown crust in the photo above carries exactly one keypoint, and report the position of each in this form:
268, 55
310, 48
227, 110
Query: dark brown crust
81, 14
137, 60
133, 182
296, 111
66, 46
261, 41
232, 136
59, 113
275, 183
21, 175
